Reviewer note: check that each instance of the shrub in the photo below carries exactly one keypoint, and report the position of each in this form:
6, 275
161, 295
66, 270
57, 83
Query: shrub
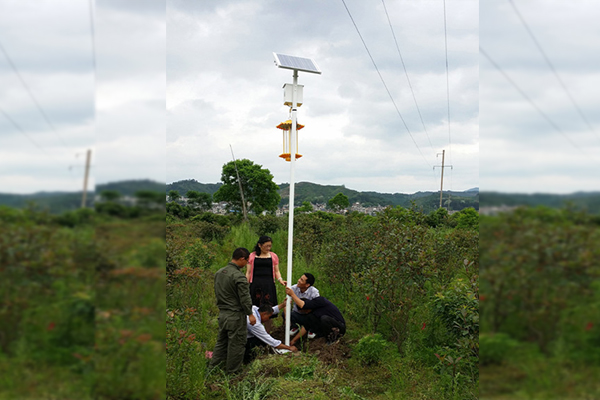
372, 349
199, 255
495, 348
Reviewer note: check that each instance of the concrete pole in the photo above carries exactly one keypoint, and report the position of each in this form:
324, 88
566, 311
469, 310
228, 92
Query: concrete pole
85, 179
288, 308
442, 185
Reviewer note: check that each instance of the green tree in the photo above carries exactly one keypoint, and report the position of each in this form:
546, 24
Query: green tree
174, 195
260, 192
338, 202
145, 198
110, 195
468, 218
200, 200
306, 207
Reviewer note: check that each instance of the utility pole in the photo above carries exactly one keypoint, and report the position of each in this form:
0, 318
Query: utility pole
240, 183
443, 166
85, 179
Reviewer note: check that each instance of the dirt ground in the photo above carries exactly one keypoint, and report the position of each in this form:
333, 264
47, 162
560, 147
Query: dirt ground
329, 354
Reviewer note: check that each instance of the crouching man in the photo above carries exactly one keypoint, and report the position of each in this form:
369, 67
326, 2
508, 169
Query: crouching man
324, 318
257, 335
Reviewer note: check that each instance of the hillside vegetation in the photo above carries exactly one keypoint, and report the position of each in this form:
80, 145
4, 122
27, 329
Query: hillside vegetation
83, 300
540, 302
320, 194
406, 282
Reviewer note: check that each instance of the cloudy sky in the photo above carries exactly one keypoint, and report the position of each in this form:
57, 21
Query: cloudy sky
555, 149
223, 89
54, 105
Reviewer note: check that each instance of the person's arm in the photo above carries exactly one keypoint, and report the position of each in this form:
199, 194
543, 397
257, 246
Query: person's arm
250, 267
276, 272
290, 348
298, 336
299, 302
244, 296
260, 332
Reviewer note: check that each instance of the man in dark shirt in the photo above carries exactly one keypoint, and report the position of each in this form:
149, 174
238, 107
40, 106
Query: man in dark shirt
325, 319
234, 303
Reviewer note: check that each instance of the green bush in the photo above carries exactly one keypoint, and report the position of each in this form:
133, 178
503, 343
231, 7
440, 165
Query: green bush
373, 349
199, 255
495, 348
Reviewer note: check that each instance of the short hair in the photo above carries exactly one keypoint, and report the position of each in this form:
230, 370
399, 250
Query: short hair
265, 308
310, 278
240, 252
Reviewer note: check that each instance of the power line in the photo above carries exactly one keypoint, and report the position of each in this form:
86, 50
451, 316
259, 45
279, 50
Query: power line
447, 85
93, 36
23, 132
406, 73
39, 107
537, 44
384, 84
529, 100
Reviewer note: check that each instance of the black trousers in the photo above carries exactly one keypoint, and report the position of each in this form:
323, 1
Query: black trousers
323, 326
251, 344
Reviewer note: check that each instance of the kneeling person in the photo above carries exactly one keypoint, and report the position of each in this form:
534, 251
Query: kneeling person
257, 334
324, 318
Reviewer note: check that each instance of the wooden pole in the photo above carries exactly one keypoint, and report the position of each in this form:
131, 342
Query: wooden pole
85, 179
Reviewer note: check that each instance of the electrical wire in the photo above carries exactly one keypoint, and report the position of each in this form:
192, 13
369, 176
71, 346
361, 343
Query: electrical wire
551, 66
406, 73
36, 144
384, 84
447, 85
39, 107
512, 82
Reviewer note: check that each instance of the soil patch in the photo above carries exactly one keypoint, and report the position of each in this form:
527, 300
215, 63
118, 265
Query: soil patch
326, 353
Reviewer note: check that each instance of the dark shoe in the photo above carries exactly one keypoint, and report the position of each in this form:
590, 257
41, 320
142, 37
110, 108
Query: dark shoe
333, 336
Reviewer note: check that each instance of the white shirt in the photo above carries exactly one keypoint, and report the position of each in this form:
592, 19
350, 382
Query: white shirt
310, 294
258, 330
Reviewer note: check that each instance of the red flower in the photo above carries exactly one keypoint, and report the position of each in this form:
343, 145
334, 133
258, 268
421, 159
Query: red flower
482, 297
368, 298
51, 326
589, 326
423, 327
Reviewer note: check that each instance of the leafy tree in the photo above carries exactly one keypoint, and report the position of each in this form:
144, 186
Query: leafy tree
202, 200
468, 218
147, 197
110, 195
306, 207
174, 195
338, 202
260, 192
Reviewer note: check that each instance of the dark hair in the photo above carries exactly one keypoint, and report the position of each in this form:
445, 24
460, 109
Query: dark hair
265, 308
240, 252
261, 240
310, 278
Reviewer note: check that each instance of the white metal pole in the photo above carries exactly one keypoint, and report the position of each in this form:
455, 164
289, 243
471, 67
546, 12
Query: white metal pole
288, 307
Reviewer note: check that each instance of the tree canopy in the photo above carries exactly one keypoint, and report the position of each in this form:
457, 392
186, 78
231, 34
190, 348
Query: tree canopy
339, 202
260, 192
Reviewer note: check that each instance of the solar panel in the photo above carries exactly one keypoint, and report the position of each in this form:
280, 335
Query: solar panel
297, 63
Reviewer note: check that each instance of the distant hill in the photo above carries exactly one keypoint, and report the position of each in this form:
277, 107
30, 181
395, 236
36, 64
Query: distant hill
128, 188
182, 187
315, 193
58, 202
588, 201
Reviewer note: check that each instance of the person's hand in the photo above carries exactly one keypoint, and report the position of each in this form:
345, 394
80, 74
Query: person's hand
293, 348
289, 291
282, 305
284, 283
252, 319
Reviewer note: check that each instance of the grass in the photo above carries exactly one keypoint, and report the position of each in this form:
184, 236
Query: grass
192, 328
